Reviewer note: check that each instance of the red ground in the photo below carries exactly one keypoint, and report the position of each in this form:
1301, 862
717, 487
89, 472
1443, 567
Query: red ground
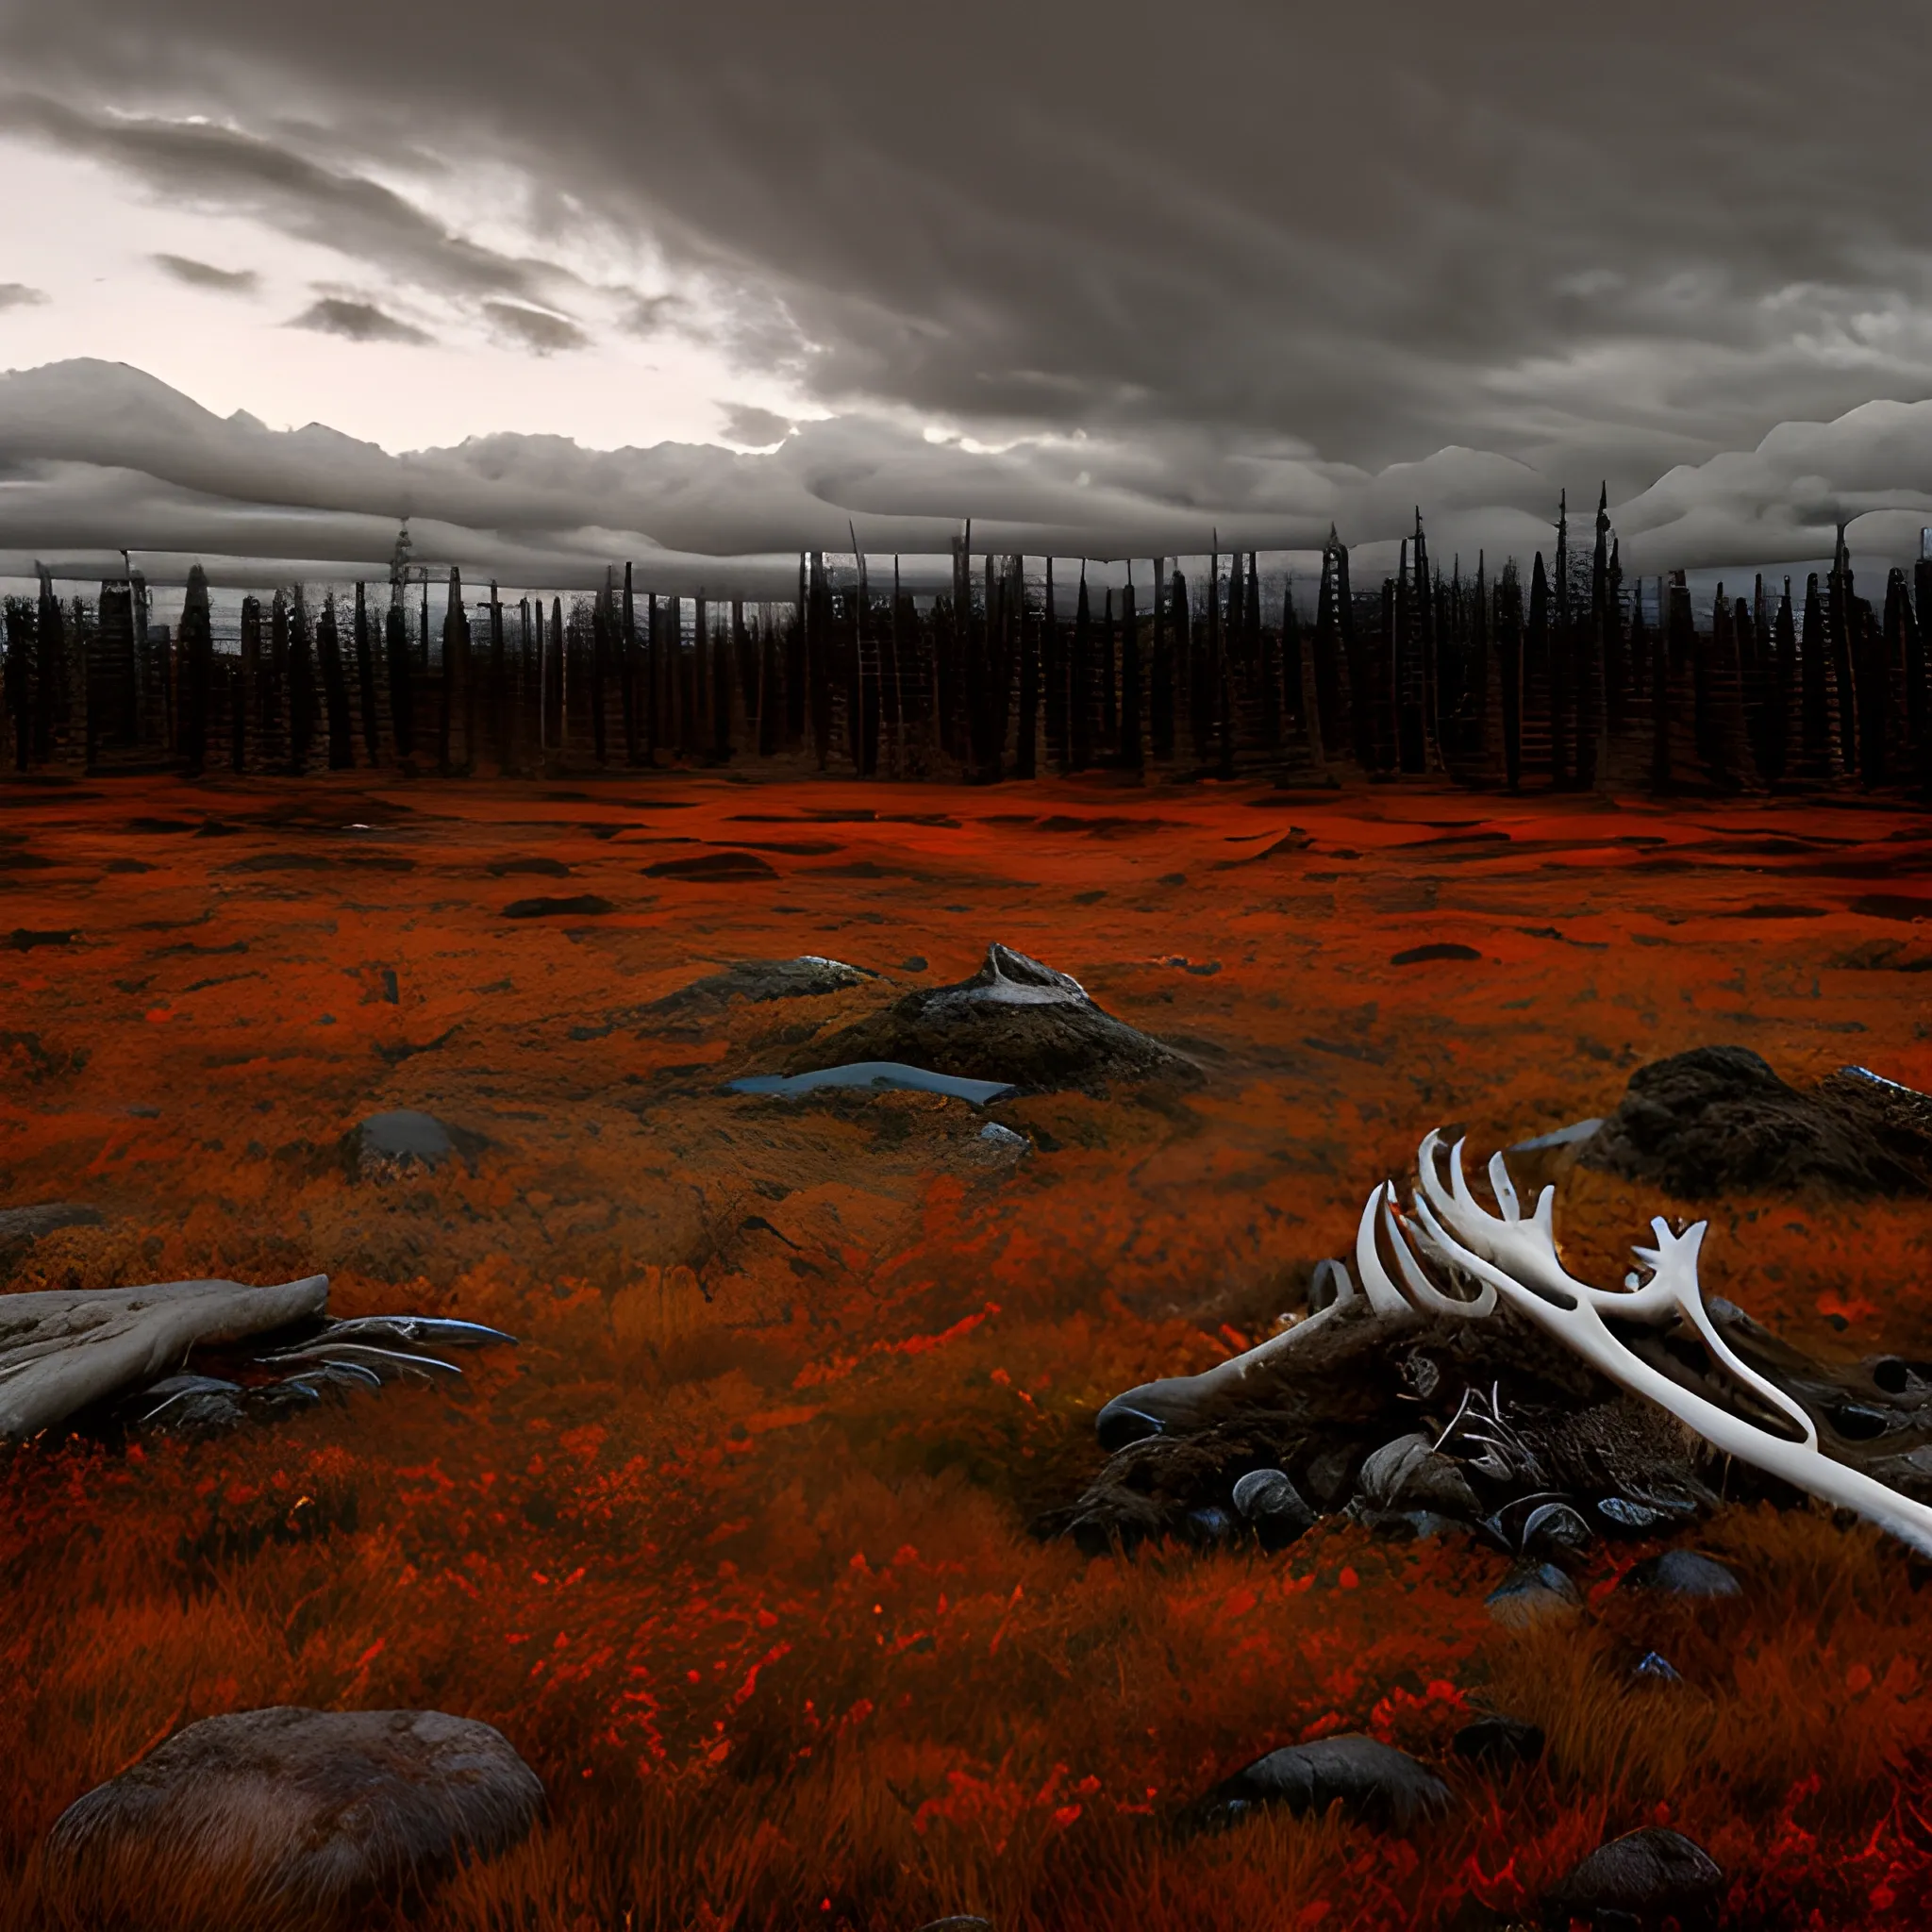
733, 1547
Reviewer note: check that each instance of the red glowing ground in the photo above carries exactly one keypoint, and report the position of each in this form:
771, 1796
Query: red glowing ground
733, 1547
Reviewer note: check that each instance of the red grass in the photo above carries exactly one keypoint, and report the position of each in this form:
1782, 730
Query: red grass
733, 1547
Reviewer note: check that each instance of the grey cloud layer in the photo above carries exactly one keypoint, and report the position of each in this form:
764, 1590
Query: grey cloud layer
1377, 228
100, 456
1257, 254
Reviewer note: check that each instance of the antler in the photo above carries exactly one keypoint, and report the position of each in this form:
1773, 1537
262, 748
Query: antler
1516, 1258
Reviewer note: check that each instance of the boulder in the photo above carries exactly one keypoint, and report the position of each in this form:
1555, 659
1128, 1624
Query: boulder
294, 1816
1015, 1021
1647, 1877
1371, 1781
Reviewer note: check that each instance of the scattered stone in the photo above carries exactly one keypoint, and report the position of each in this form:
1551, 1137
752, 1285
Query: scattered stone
585, 905
1718, 1121
1371, 1781
1501, 1743
1208, 1524
1625, 1514
1552, 1529
1684, 1573
878, 1076
1407, 1474
754, 981
1651, 1668
1016, 1021
996, 1135
713, 868
389, 1146
1446, 949
913, 962
960, 1922
1531, 1592
1274, 1507
1646, 1876
287, 1813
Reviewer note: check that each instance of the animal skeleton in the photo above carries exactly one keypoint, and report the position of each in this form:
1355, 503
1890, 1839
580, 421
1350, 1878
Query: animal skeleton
1455, 1258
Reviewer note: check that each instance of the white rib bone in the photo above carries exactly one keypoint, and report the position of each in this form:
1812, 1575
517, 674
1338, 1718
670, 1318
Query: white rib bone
1518, 1258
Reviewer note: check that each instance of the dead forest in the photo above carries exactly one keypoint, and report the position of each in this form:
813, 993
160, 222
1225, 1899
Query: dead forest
1576, 679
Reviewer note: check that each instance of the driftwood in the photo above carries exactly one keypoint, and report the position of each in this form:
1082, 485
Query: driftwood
62, 1350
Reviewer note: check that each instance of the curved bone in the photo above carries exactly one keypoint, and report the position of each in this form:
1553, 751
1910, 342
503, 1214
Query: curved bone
62, 1350
1517, 1257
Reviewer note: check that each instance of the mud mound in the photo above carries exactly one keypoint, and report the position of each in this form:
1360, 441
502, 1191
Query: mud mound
1016, 1021
1717, 1120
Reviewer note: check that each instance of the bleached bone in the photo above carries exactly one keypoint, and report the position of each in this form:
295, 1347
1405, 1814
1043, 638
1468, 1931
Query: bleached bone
64, 1349
1516, 1256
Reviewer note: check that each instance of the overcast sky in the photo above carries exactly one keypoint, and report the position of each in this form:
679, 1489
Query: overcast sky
1103, 278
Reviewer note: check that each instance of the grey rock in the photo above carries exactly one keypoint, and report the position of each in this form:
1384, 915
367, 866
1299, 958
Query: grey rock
960, 1922
1371, 1781
1647, 1875
388, 1146
1684, 1573
298, 1812
1531, 1591
1652, 1669
1003, 1139
756, 981
1208, 1524
1408, 1473
1272, 1505
1551, 1528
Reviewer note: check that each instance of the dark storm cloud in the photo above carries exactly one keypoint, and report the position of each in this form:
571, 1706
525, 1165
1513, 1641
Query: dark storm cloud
232, 171
202, 275
1599, 242
753, 428
535, 330
356, 322
102, 455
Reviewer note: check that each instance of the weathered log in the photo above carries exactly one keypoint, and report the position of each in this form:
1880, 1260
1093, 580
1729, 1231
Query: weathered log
62, 1350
